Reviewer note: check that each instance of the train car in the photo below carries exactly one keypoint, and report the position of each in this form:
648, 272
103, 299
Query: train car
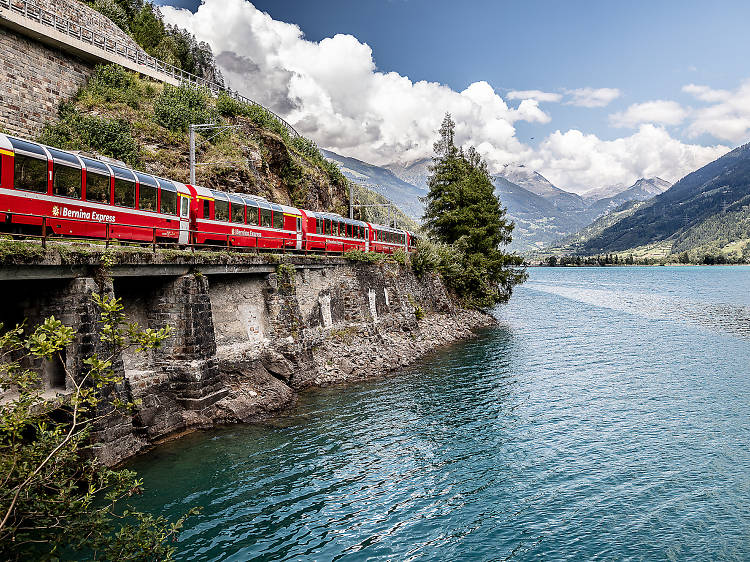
330, 232
73, 195
233, 219
411, 241
78, 196
387, 240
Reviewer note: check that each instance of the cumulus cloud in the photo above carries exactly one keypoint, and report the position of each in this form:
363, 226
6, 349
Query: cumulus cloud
332, 92
659, 111
592, 97
704, 93
728, 118
537, 95
580, 161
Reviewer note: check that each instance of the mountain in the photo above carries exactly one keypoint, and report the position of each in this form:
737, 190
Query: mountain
382, 180
572, 242
538, 221
641, 190
562, 222
539, 185
415, 173
706, 208
593, 195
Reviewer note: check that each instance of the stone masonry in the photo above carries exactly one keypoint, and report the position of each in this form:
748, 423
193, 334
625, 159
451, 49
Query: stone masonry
34, 79
242, 346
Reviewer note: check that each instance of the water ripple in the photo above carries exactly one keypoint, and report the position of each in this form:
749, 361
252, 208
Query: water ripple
607, 418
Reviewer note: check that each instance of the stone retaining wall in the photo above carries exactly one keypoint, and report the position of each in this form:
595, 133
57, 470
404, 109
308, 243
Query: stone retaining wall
243, 346
34, 79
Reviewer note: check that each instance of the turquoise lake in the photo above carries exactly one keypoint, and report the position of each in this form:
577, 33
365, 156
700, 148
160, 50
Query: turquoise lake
606, 417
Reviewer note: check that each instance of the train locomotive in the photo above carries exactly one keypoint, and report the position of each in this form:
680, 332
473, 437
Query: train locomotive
48, 190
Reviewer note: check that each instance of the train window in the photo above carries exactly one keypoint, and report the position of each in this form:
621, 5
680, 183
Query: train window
184, 206
221, 210
265, 217
319, 226
97, 187
66, 181
168, 202
147, 197
327, 226
252, 214
278, 219
30, 173
238, 212
124, 193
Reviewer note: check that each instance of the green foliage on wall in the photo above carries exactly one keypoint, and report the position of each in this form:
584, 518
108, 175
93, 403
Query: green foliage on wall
178, 107
77, 131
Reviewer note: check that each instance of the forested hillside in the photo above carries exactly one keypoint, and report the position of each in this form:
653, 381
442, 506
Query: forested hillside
703, 209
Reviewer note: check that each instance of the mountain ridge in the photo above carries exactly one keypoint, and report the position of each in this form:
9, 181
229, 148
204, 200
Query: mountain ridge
707, 194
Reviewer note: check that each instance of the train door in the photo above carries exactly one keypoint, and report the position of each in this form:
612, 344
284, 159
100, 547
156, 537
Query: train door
184, 220
299, 233
367, 239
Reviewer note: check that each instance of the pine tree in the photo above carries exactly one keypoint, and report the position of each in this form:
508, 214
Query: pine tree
463, 212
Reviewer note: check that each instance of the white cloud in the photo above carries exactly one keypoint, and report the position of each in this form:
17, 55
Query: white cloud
704, 93
537, 95
332, 92
728, 118
580, 162
659, 111
592, 97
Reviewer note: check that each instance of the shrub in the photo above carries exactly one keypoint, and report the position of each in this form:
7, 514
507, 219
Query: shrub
113, 11
400, 257
55, 495
427, 257
111, 137
112, 83
178, 107
359, 255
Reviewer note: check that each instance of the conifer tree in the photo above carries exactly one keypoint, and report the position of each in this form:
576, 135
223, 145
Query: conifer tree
463, 213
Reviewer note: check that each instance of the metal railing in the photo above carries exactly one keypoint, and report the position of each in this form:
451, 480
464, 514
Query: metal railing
31, 10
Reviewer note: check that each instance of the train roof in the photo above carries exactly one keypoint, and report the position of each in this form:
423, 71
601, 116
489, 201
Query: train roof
335, 217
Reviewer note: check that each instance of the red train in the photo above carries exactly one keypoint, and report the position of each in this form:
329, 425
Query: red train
72, 195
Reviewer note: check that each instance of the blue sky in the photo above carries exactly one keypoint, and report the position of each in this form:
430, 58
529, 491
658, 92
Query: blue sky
645, 51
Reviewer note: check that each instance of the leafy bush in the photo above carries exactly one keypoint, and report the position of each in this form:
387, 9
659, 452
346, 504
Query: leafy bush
178, 107
400, 257
55, 494
429, 257
112, 83
227, 106
111, 137
359, 255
